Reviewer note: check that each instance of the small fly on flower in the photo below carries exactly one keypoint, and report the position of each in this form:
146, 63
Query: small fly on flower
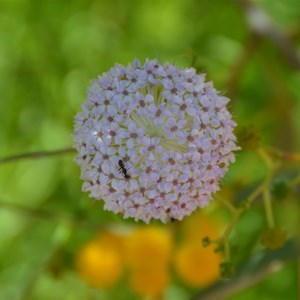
123, 170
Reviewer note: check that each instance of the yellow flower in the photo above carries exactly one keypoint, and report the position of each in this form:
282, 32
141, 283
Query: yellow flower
199, 226
113, 240
196, 265
99, 264
148, 253
149, 280
150, 245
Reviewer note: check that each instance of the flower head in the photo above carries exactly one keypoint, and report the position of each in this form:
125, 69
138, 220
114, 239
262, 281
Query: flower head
148, 256
149, 281
153, 141
99, 263
195, 264
148, 246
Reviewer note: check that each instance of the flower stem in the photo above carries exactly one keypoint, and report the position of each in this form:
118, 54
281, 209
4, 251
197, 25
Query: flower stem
254, 195
223, 241
52, 216
266, 193
227, 251
237, 212
266, 158
285, 156
35, 155
227, 204
268, 205
232, 223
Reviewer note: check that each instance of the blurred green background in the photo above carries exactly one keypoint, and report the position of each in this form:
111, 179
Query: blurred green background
49, 52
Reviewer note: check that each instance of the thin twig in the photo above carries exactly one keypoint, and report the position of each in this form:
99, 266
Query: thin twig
254, 195
226, 203
266, 158
35, 155
242, 283
230, 226
237, 212
282, 155
268, 205
52, 216
240, 211
272, 167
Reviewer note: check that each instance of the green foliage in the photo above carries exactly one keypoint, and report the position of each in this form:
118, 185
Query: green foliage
51, 49
280, 189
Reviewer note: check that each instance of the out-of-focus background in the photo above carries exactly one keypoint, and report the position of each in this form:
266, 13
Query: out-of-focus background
55, 242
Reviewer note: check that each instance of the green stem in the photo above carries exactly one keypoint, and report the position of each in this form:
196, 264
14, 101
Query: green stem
268, 206
254, 195
35, 155
52, 216
266, 158
231, 224
266, 193
226, 203
239, 211
223, 240
227, 251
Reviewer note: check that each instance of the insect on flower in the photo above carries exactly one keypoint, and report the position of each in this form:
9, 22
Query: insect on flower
123, 170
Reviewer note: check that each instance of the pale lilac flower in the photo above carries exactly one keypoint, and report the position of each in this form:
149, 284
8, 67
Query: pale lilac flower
153, 141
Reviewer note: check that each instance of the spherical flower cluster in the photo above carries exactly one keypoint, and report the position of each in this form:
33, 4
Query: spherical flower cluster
153, 140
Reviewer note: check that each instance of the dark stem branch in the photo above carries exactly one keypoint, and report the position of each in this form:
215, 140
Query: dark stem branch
35, 155
242, 283
52, 216
252, 272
